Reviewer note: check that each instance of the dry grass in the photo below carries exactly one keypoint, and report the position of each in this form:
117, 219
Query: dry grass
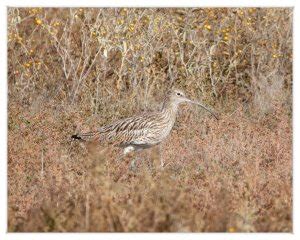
75, 69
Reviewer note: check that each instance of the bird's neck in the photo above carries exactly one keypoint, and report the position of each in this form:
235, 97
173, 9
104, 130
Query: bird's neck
170, 108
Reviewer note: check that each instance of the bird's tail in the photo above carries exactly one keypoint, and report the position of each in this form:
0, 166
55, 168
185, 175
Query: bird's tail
88, 136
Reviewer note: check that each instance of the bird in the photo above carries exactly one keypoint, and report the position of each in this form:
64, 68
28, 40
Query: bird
145, 130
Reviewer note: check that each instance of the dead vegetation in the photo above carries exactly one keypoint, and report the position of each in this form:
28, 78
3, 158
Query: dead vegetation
75, 69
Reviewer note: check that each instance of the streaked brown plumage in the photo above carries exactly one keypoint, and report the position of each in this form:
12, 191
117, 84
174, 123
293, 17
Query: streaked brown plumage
144, 130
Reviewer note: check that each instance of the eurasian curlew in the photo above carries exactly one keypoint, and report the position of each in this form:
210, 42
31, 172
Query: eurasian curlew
142, 131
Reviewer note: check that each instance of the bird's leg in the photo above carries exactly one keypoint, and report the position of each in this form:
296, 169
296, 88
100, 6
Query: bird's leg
132, 164
149, 159
162, 163
128, 150
134, 161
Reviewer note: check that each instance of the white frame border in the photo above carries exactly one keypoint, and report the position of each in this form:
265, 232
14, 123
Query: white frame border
154, 3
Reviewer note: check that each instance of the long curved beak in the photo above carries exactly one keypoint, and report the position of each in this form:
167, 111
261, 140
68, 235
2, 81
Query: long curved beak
201, 105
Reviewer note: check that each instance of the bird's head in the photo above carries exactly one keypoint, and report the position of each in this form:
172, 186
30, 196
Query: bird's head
177, 96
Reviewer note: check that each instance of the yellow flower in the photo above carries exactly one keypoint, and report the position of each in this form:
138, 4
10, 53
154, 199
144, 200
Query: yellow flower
240, 12
147, 20
124, 11
251, 10
179, 18
33, 11
38, 21
131, 27
207, 26
231, 229
120, 21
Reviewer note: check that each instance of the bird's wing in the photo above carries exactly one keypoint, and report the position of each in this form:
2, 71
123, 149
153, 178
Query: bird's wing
127, 130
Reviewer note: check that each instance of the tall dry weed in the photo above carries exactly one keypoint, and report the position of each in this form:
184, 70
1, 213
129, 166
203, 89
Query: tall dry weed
73, 69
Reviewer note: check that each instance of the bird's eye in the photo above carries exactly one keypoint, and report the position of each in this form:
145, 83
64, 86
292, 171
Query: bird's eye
178, 94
